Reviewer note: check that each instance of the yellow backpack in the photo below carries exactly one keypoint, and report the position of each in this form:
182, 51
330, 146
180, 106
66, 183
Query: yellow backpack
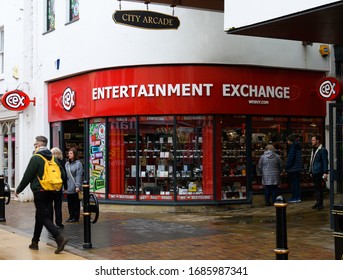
52, 178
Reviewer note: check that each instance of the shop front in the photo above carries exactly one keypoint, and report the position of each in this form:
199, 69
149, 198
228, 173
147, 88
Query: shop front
183, 134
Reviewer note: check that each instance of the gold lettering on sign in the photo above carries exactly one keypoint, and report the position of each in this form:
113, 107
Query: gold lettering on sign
131, 18
158, 21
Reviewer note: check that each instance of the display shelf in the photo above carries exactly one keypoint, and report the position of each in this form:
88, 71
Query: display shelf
156, 165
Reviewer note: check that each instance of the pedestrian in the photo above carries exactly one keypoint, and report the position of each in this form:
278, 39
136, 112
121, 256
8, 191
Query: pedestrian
56, 205
319, 169
270, 166
294, 166
74, 170
42, 198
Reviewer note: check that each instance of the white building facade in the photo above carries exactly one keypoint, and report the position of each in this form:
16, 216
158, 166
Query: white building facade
113, 70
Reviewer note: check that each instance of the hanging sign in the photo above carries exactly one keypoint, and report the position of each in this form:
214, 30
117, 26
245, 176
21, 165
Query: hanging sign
329, 88
146, 19
16, 100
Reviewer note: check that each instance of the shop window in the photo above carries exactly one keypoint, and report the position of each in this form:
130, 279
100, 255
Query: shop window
97, 156
122, 158
306, 128
2, 37
194, 158
50, 15
274, 130
268, 130
232, 168
156, 157
73, 10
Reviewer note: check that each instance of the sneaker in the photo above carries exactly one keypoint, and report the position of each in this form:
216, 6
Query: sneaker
292, 200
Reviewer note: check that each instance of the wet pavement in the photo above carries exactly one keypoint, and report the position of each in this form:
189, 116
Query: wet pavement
247, 233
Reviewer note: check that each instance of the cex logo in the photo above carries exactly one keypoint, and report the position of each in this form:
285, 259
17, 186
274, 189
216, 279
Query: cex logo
329, 88
16, 100
68, 99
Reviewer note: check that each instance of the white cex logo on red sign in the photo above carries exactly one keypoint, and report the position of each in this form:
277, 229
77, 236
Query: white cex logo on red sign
329, 88
68, 99
16, 100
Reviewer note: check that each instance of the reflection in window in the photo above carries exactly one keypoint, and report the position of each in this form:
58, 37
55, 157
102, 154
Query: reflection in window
233, 179
194, 157
73, 10
50, 15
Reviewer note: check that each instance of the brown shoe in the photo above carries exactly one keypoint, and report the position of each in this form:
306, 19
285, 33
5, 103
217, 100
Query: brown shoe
61, 242
33, 245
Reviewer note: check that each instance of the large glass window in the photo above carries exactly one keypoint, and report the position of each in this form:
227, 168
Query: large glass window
194, 157
156, 155
305, 128
268, 130
232, 169
122, 155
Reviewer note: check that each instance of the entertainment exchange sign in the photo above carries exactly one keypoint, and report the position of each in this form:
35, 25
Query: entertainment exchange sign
146, 19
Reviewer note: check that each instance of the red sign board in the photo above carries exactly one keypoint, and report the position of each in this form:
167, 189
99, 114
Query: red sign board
16, 100
329, 88
186, 89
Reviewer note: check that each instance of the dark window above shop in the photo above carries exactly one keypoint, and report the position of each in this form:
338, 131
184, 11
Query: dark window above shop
216, 5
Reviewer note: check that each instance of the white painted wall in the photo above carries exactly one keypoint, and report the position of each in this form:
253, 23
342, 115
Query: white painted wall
95, 42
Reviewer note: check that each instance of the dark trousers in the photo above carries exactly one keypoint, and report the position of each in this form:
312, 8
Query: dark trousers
270, 190
56, 206
43, 200
294, 180
318, 187
73, 206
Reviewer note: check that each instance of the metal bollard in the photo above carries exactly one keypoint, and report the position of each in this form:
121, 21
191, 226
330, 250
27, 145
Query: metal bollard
86, 216
2, 199
281, 249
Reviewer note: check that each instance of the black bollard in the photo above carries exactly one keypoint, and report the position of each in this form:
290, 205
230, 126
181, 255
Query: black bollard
86, 216
2, 199
281, 249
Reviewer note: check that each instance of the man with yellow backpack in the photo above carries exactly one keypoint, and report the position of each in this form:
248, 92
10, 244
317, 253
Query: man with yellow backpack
44, 174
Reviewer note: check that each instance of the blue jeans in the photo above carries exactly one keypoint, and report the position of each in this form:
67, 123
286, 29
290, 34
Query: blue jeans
294, 180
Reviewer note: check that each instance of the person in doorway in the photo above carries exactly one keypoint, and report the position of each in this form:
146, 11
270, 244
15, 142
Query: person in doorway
294, 166
319, 169
74, 170
56, 205
270, 166
42, 198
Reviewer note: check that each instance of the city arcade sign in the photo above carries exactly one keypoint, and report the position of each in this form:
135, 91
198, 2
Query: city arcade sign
146, 19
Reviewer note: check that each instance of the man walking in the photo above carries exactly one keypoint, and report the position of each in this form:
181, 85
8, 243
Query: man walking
42, 198
319, 169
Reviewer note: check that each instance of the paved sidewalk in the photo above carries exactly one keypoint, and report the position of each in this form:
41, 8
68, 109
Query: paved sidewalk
240, 234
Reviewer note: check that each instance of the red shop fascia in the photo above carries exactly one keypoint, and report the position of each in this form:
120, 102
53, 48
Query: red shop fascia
186, 90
